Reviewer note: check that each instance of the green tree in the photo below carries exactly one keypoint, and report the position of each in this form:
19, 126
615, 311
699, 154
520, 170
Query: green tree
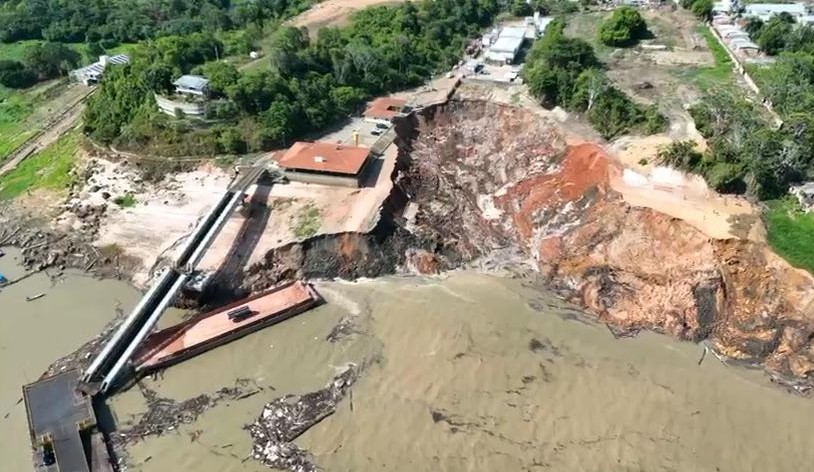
521, 8
49, 60
285, 47
624, 27
14, 74
222, 76
774, 35
701, 8
680, 154
753, 26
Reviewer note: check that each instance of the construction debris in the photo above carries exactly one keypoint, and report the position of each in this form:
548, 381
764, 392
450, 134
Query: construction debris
285, 418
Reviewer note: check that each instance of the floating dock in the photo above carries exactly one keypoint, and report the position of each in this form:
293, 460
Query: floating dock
215, 328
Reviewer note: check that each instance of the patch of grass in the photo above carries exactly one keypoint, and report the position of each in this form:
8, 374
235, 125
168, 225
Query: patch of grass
586, 27
790, 232
14, 109
110, 251
721, 74
14, 51
48, 169
127, 200
307, 223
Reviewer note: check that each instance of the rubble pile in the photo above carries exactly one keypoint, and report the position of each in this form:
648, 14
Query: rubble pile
42, 249
285, 418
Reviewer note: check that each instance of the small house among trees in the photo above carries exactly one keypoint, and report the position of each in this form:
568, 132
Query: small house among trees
192, 85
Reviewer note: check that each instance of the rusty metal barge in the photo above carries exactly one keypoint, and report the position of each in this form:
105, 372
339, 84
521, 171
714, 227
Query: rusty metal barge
215, 328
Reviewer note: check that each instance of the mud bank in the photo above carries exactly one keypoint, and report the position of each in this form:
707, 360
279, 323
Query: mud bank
488, 178
43, 247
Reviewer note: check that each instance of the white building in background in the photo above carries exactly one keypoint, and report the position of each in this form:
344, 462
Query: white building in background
93, 73
765, 11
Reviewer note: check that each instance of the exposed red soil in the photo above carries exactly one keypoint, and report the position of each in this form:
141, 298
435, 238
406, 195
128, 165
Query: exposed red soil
633, 267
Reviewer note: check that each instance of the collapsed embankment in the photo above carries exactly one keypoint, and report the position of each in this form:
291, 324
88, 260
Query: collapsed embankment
486, 177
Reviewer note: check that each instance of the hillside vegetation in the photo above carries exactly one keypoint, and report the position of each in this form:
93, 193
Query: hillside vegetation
308, 84
564, 71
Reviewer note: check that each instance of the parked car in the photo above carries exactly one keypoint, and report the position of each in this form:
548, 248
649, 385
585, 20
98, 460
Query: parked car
377, 132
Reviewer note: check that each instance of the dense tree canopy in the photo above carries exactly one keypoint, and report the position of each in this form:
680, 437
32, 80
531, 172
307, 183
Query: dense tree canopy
701, 8
564, 71
625, 26
131, 21
308, 84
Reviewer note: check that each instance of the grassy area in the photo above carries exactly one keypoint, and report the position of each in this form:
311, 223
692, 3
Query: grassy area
48, 169
790, 232
125, 201
15, 107
585, 25
307, 223
14, 51
721, 73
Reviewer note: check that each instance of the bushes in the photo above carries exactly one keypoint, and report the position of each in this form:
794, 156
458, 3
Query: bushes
14, 74
701, 8
564, 71
624, 27
50, 60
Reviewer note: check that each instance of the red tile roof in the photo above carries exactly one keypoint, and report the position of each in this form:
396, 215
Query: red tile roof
385, 107
325, 157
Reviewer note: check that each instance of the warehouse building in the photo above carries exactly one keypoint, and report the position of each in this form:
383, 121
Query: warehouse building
325, 163
507, 46
766, 11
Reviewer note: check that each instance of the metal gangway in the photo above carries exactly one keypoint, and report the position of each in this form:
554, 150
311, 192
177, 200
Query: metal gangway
108, 365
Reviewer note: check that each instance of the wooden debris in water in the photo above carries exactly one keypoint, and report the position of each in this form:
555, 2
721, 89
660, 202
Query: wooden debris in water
284, 419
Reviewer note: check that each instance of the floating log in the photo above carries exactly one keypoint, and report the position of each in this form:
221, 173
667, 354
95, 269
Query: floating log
34, 297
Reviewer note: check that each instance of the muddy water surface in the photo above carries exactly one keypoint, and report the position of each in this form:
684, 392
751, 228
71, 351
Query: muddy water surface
34, 334
470, 373
478, 373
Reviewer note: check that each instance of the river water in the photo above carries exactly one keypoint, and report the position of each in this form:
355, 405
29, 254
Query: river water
468, 373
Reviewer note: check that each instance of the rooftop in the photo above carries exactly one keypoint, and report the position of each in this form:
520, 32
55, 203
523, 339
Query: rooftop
98, 67
325, 157
507, 44
192, 82
775, 8
513, 32
385, 107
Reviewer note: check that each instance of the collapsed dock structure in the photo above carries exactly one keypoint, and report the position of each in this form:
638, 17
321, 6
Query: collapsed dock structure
62, 425
61, 408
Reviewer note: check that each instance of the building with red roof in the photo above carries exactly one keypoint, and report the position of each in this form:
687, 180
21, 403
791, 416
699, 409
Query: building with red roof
325, 163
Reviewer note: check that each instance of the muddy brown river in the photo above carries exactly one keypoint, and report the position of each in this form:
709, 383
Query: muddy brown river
467, 373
